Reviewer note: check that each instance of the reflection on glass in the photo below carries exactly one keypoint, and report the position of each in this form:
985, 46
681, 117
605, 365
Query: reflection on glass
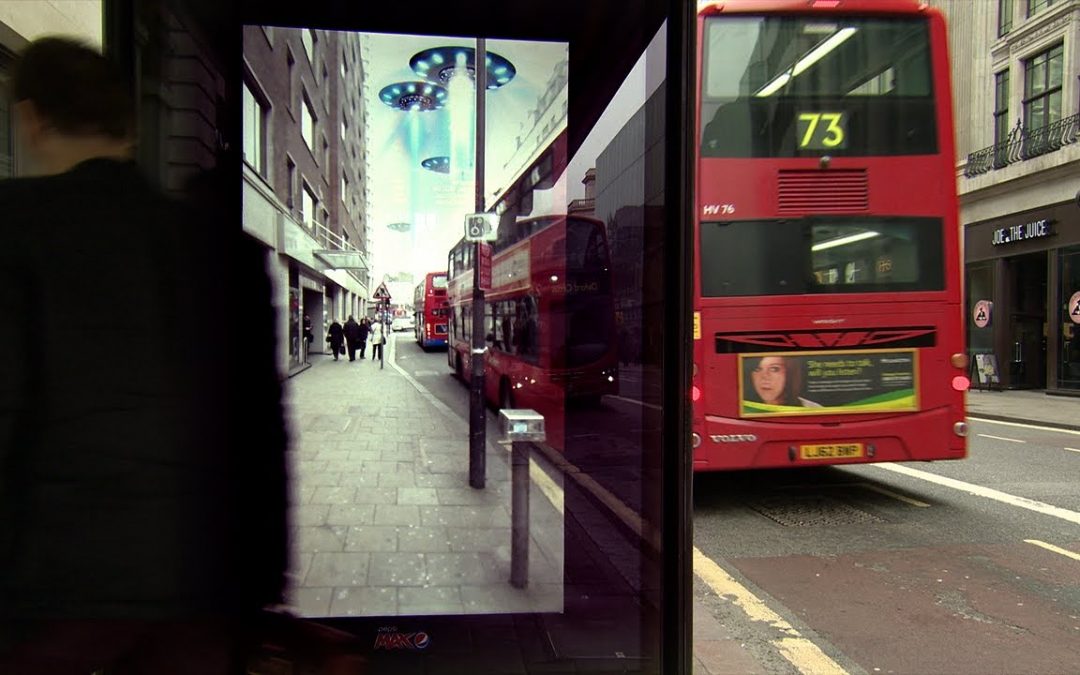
821, 255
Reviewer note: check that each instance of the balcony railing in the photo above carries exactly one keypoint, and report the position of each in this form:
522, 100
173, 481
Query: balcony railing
1024, 144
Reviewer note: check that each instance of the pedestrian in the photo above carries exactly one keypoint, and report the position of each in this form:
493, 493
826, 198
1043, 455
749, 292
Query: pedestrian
336, 337
309, 337
142, 498
365, 330
352, 337
378, 336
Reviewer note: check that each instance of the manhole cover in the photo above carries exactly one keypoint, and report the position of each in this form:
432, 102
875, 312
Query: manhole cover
810, 511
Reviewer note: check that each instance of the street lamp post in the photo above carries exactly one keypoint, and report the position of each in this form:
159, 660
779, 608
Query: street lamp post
477, 418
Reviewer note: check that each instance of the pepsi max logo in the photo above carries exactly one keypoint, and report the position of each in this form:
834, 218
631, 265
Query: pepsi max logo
393, 639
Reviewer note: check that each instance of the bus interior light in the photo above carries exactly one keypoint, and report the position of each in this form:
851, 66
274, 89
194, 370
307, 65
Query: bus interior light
843, 241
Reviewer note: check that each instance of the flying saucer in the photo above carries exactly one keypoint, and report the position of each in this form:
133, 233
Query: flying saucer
414, 96
440, 64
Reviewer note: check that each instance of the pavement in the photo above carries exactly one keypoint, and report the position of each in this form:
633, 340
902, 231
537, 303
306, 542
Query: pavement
1026, 407
385, 524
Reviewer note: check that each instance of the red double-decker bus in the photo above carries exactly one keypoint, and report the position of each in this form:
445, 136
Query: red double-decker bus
828, 322
549, 317
431, 311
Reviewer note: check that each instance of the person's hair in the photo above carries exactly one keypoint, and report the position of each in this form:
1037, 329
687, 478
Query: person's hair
74, 88
793, 381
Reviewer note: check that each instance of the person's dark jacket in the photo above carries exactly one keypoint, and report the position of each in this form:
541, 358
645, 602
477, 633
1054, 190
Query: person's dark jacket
365, 329
352, 332
142, 468
337, 335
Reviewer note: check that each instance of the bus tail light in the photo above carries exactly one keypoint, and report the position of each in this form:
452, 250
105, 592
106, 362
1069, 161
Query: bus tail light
960, 429
961, 383
959, 360
695, 393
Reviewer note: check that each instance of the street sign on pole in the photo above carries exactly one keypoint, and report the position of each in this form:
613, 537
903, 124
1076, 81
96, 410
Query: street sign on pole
481, 226
381, 293
485, 267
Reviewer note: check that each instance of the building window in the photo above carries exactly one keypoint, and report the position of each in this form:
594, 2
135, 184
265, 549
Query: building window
254, 126
345, 190
1042, 88
290, 187
290, 61
307, 124
1005, 17
344, 126
344, 65
325, 153
308, 207
1001, 106
1036, 6
308, 38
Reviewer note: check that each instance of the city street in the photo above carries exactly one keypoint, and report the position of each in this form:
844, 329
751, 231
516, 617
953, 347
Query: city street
875, 564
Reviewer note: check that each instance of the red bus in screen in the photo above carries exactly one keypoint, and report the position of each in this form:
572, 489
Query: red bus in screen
549, 317
431, 310
828, 321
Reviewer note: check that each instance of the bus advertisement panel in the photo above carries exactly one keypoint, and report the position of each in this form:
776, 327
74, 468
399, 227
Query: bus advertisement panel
828, 322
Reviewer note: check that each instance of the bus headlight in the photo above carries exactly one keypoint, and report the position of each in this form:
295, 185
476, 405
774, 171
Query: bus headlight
695, 440
960, 429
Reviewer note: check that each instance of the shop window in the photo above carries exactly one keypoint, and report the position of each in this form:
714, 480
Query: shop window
1069, 302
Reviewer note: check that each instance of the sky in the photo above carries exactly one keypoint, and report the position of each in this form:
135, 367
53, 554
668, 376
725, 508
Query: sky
435, 204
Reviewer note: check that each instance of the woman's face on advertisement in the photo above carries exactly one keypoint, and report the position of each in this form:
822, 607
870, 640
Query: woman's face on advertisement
769, 377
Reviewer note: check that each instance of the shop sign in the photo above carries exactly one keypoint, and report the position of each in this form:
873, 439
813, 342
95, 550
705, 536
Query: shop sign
828, 383
1074, 307
1014, 233
981, 313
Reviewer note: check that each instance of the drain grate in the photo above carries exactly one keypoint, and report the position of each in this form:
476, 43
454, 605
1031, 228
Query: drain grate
811, 511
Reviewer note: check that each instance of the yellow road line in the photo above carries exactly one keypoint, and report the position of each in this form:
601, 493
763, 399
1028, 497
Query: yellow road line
798, 650
1050, 547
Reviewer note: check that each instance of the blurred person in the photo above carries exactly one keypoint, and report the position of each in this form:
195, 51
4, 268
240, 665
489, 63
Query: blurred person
352, 337
142, 504
365, 330
336, 337
377, 337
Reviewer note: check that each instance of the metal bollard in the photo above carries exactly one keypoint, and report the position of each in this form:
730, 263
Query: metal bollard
521, 428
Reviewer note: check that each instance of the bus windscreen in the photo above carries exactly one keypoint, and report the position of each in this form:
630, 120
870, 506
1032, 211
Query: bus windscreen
806, 86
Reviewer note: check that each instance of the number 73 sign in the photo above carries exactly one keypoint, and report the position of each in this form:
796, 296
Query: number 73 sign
822, 131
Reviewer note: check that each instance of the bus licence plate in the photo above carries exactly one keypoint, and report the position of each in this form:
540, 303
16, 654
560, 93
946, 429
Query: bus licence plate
834, 451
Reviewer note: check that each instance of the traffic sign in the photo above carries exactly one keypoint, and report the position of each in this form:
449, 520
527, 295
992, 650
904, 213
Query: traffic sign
381, 293
981, 313
481, 226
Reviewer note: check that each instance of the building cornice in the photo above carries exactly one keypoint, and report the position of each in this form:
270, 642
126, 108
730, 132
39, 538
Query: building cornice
1046, 24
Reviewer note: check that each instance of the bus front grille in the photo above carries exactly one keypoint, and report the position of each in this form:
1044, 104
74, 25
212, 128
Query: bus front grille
823, 191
